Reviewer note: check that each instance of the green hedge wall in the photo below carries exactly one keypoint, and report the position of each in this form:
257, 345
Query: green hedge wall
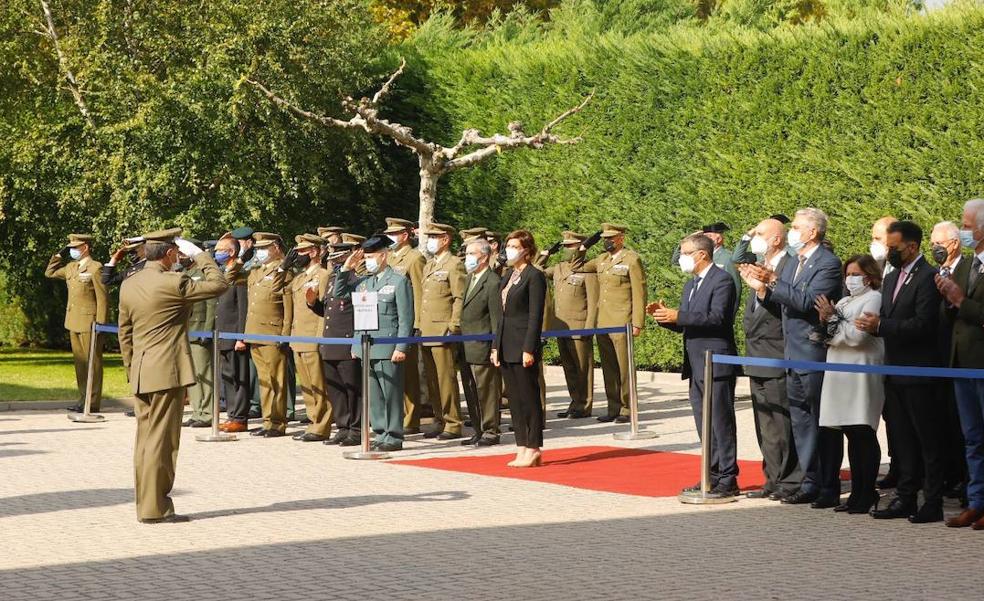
862, 118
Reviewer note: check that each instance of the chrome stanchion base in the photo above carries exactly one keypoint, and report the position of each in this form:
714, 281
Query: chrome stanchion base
218, 437
366, 455
86, 418
640, 435
697, 497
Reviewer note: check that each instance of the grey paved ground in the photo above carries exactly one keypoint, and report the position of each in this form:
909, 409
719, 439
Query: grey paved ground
277, 519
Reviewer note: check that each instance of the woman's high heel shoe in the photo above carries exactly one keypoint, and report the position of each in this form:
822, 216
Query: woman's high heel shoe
534, 460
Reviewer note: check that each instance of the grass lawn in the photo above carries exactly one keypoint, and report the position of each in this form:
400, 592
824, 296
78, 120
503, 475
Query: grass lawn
46, 375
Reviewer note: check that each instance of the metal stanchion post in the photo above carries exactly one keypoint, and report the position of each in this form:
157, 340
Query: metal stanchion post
364, 452
215, 435
634, 432
704, 496
85, 417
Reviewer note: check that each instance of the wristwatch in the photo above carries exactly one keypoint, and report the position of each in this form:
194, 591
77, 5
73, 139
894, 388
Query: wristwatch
772, 285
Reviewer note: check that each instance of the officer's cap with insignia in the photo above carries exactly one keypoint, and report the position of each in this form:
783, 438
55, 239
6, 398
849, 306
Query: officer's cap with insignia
610, 230
76, 240
395, 225
354, 239
472, 233
308, 241
242, 233
493, 236
133, 243
340, 250
438, 229
324, 232
162, 236
264, 239
570, 237
715, 228
376, 243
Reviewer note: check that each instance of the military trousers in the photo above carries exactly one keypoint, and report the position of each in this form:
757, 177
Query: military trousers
442, 385
577, 359
314, 392
155, 452
271, 379
614, 352
411, 389
80, 353
201, 396
386, 380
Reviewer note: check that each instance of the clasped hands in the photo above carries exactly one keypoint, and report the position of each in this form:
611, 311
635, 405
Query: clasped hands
661, 313
756, 276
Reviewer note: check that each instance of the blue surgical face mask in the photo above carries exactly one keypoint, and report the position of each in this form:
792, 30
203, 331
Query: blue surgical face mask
262, 255
471, 263
795, 240
222, 256
372, 264
967, 239
75, 253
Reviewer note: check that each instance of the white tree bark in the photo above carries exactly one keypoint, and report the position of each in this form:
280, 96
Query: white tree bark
73, 84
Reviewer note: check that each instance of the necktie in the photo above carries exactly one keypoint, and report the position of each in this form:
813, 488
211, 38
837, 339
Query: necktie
975, 274
471, 285
799, 268
693, 290
898, 285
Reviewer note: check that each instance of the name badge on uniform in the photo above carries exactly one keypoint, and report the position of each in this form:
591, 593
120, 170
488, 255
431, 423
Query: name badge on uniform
196, 277
269, 277
364, 310
85, 277
441, 276
312, 284
387, 289
575, 280
620, 269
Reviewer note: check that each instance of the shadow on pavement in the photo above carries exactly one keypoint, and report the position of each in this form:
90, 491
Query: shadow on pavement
46, 502
334, 503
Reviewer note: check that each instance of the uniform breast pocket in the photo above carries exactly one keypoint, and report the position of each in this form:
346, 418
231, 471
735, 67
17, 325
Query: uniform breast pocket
387, 304
575, 280
621, 271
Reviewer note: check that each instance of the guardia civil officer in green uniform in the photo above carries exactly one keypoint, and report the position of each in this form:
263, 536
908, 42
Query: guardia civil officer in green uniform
87, 302
575, 308
201, 396
386, 362
155, 304
621, 301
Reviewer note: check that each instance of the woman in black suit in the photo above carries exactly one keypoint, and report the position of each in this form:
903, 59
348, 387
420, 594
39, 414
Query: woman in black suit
516, 349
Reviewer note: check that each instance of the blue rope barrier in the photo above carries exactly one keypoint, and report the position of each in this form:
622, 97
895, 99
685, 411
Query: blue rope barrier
271, 338
885, 370
588, 332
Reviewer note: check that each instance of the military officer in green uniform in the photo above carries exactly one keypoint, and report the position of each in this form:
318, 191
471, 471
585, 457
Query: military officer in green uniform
440, 315
575, 308
621, 301
408, 261
87, 303
394, 312
201, 396
155, 304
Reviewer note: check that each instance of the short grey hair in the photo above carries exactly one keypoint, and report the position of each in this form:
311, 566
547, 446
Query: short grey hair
484, 248
948, 229
976, 206
700, 242
155, 251
817, 218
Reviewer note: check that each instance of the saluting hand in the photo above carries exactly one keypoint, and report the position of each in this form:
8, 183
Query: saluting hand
353, 260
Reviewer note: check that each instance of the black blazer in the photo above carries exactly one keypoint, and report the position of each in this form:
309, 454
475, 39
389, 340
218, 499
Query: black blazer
909, 325
763, 332
339, 319
522, 317
230, 314
967, 345
707, 322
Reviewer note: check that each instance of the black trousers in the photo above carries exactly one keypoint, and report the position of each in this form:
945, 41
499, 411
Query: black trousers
235, 383
864, 456
919, 439
724, 438
524, 403
774, 432
343, 382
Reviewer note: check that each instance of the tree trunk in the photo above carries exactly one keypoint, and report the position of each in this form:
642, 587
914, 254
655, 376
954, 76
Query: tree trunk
429, 175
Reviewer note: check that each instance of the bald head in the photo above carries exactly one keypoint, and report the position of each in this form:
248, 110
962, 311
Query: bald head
773, 233
879, 231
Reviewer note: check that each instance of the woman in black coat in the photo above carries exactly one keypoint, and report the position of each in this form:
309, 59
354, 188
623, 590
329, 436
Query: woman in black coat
517, 349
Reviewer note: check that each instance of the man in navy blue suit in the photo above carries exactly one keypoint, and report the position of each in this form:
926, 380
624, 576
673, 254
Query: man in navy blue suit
815, 271
706, 319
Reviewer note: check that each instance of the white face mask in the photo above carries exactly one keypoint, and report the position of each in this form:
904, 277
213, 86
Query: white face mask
512, 254
795, 240
967, 239
432, 246
372, 264
855, 284
758, 245
687, 264
879, 251
75, 253
471, 263
262, 255
393, 239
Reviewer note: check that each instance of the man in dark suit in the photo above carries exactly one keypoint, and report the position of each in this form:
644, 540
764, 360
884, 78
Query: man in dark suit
706, 319
964, 293
480, 314
230, 316
908, 323
763, 338
814, 270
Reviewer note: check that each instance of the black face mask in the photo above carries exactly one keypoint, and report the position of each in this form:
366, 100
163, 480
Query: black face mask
302, 261
609, 245
895, 258
939, 254
185, 263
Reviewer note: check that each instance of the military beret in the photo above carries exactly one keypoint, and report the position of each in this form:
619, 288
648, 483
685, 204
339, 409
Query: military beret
438, 229
376, 243
353, 239
715, 228
167, 235
264, 239
573, 237
610, 230
308, 241
780, 218
395, 225
242, 233
78, 240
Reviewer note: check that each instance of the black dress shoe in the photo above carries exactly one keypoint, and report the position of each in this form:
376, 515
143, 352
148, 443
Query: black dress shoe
928, 513
273, 434
200, 423
694, 488
471, 441
606, 418
578, 415
843, 507
780, 494
258, 432
448, 436
487, 441
762, 493
564, 413
311, 437
467, 423
623, 419
895, 510
306, 421
800, 498
723, 490
351, 441
433, 434
298, 435
822, 503
187, 423
171, 519
130, 413
254, 414
889, 481
337, 438
389, 447
75, 409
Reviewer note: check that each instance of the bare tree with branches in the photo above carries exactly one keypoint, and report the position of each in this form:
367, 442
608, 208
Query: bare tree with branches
434, 159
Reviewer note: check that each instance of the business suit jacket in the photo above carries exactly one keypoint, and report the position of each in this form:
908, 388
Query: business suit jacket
967, 347
407, 261
109, 275
480, 314
909, 324
202, 317
621, 287
706, 319
394, 308
87, 299
522, 316
442, 296
230, 311
763, 332
154, 308
271, 310
797, 294
339, 319
304, 322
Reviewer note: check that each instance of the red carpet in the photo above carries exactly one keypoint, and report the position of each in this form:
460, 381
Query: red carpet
610, 469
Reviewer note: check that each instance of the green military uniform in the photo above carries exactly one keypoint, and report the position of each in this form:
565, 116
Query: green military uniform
409, 262
306, 356
87, 303
575, 308
440, 315
386, 378
621, 301
201, 396
271, 313
155, 305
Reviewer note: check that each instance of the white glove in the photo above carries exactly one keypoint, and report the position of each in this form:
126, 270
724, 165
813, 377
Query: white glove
187, 248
